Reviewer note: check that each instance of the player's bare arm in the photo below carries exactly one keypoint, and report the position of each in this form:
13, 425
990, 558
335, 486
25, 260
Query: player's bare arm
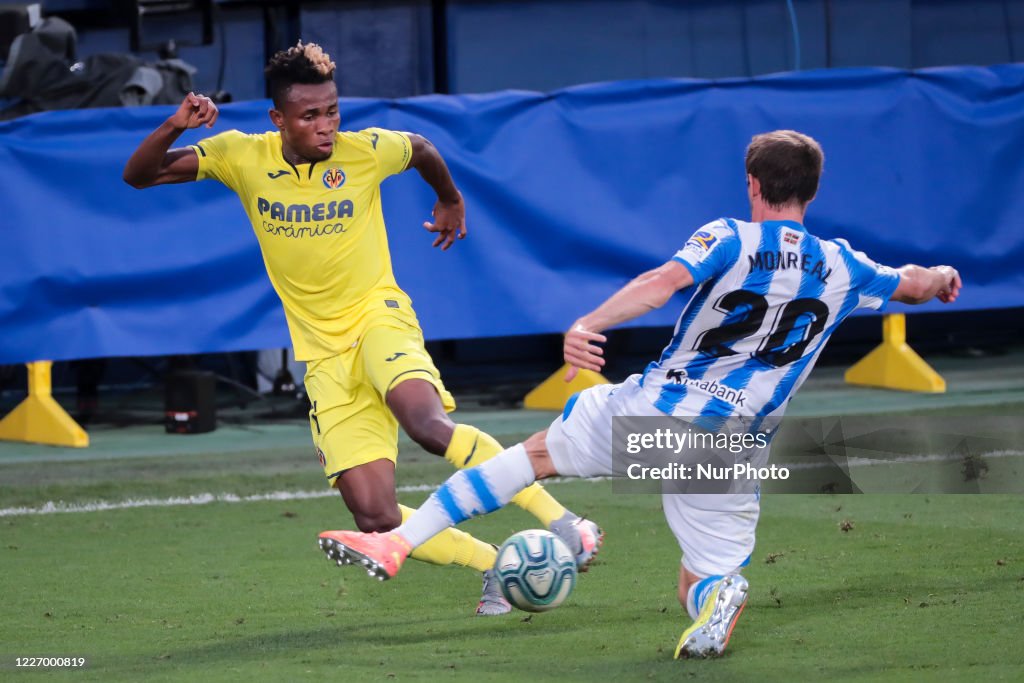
449, 212
920, 285
154, 162
645, 293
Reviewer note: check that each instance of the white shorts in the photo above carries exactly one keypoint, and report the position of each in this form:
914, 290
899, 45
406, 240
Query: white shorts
714, 531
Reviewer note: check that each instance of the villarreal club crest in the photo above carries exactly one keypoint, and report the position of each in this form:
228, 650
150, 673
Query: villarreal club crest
334, 178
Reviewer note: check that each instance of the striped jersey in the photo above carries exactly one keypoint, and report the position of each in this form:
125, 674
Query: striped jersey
766, 298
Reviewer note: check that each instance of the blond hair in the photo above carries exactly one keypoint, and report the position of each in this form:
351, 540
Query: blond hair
320, 60
303, 63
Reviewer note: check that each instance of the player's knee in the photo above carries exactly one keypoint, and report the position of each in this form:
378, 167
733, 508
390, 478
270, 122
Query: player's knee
537, 450
432, 433
377, 520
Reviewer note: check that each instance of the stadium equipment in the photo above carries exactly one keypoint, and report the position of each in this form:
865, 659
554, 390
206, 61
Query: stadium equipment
536, 570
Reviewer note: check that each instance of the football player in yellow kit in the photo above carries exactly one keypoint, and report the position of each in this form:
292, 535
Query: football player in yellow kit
312, 194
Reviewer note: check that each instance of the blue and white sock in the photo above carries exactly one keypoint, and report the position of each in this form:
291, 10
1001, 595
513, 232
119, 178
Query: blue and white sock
469, 493
698, 593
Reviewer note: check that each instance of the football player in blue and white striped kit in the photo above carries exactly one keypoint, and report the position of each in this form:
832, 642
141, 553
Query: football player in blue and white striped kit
765, 296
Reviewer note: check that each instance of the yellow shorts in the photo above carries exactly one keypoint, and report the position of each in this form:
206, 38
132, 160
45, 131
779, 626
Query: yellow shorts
350, 420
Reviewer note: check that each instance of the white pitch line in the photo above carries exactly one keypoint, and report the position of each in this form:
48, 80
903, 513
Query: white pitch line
854, 461
52, 508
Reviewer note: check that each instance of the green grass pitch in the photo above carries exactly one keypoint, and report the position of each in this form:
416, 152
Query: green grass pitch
916, 588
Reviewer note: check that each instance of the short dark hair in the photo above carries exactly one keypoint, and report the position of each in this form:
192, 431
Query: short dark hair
787, 164
304, 63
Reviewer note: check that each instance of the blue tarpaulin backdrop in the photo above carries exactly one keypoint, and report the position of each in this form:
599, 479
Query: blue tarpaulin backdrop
569, 195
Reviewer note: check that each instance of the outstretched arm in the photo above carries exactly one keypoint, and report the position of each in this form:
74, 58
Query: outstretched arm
154, 162
449, 212
643, 294
920, 285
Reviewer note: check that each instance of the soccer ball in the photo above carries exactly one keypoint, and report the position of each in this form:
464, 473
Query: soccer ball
536, 570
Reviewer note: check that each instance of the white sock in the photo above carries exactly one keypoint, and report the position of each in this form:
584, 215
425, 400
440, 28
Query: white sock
699, 592
691, 608
469, 493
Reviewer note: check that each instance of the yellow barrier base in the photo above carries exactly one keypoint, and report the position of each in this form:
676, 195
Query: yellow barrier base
40, 419
894, 365
552, 393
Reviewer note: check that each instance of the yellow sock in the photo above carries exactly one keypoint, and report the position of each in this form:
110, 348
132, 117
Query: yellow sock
452, 546
470, 447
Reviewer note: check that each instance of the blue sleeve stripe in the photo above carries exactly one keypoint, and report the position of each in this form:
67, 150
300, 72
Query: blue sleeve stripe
883, 285
694, 270
869, 280
860, 273
728, 252
721, 257
482, 490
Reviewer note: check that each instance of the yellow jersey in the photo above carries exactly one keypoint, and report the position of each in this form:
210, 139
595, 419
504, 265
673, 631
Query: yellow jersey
320, 228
